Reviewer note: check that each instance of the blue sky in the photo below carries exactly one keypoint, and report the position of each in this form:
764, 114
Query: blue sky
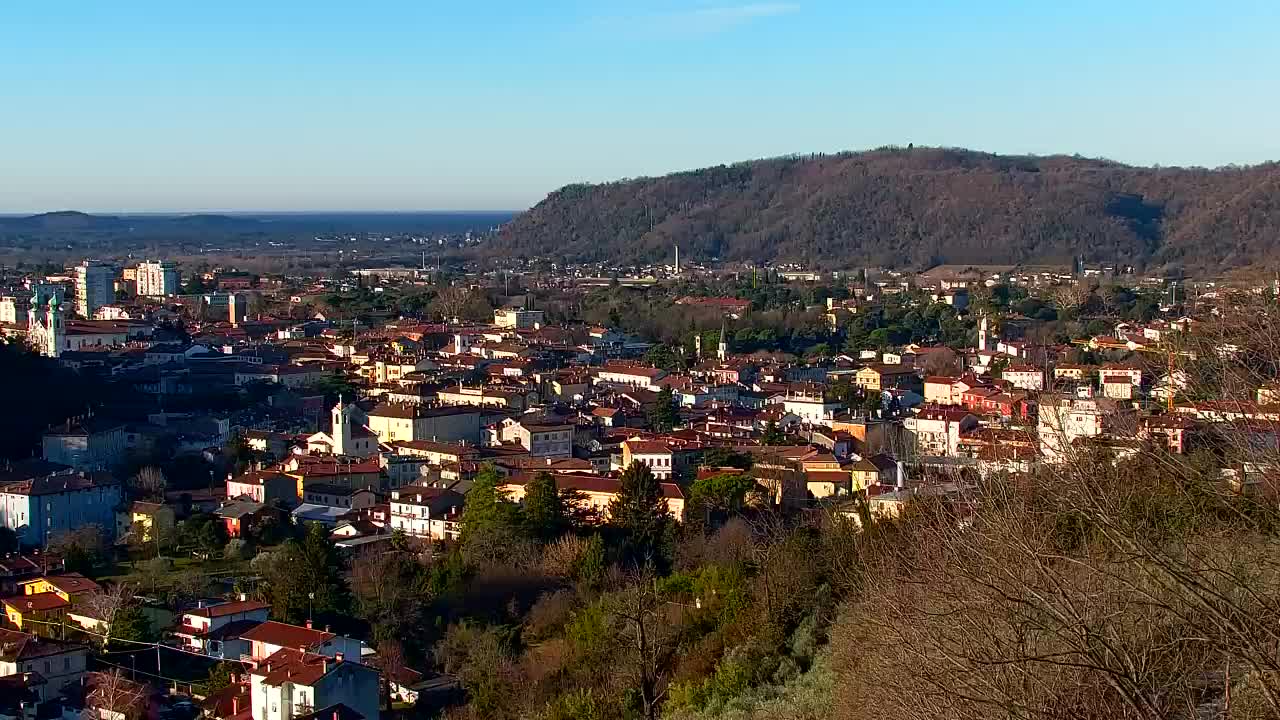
490, 104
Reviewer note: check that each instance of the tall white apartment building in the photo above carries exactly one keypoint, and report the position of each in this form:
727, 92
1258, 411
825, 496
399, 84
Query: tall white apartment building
157, 279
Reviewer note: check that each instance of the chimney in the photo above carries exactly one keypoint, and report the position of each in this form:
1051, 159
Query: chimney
235, 705
335, 715
243, 597
337, 657
308, 623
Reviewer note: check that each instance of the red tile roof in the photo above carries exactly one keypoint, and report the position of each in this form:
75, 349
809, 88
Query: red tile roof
287, 636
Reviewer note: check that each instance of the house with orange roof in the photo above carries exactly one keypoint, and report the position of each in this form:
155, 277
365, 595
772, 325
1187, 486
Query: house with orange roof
293, 683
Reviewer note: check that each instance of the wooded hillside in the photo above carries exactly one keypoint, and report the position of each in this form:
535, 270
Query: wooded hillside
917, 207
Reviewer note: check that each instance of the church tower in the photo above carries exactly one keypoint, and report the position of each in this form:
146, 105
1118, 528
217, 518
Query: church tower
45, 330
342, 444
982, 334
722, 350
56, 331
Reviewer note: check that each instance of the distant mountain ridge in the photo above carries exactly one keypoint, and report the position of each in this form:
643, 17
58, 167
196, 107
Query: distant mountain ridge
916, 207
211, 225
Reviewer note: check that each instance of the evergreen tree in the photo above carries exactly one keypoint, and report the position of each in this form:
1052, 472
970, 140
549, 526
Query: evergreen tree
641, 512
305, 578
772, 435
545, 516
664, 416
487, 508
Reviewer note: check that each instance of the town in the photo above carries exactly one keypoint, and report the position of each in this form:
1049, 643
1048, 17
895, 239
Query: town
253, 495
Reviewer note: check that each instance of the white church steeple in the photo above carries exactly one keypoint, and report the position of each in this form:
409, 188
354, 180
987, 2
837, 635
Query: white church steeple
342, 444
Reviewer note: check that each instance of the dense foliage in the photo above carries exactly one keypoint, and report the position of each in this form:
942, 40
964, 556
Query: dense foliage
916, 207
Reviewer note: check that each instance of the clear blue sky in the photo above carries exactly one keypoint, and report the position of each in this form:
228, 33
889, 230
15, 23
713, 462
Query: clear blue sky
490, 104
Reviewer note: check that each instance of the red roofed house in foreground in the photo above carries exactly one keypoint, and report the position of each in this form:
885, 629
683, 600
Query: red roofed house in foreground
292, 683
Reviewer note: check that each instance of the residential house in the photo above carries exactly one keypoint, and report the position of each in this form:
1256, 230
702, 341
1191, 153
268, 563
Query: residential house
61, 665
941, 390
541, 439
936, 430
217, 630
293, 684
145, 521
877, 377
593, 493
876, 470
667, 459
240, 517
1024, 377
268, 487
270, 637
90, 444
427, 512
1063, 420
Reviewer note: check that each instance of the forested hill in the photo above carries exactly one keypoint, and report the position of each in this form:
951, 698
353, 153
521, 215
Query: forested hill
918, 207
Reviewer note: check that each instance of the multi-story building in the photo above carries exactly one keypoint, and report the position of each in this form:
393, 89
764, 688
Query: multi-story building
540, 439
59, 665
40, 508
811, 407
295, 684
157, 279
1024, 377
264, 486
1063, 419
427, 512
518, 318
618, 374
594, 494
95, 287
217, 630
90, 444
937, 430
403, 422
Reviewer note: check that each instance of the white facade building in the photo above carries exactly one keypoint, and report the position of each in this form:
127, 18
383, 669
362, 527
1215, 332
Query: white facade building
157, 279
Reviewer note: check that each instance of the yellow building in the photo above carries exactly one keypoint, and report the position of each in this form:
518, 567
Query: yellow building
39, 613
141, 518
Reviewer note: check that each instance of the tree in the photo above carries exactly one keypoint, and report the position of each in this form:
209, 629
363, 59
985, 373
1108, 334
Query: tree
451, 302
772, 434
488, 515
110, 606
115, 694
545, 516
82, 549
722, 491
651, 640
719, 457
150, 483
305, 577
220, 676
8, 540
640, 510
663, 417
203, 532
